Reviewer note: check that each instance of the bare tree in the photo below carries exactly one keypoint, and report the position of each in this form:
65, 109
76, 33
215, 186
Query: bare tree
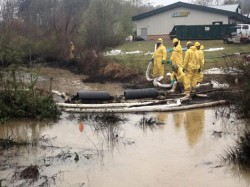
207, 2
102, 24
230, 2
8, 11
45, 27
58, 19
139, 3
245, 5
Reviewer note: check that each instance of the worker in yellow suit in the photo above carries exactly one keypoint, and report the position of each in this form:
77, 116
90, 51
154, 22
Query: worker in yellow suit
176, 56
191, 66
178, 76
71, 51
200, 51
159, 59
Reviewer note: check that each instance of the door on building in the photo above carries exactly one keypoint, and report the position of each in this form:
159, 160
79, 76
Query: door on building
144, 33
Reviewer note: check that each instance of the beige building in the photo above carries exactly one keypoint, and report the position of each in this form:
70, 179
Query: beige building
159, 22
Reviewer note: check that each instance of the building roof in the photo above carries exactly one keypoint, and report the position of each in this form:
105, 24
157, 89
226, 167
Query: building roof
230, 14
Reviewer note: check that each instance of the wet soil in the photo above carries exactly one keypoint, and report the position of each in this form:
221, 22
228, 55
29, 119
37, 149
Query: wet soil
64, 80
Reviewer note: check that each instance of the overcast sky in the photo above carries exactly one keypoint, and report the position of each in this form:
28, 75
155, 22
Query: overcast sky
166, 2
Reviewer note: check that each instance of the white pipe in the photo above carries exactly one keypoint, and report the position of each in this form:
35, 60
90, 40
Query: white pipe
150, 64
155, 81
110, 105
159, 108
162, 85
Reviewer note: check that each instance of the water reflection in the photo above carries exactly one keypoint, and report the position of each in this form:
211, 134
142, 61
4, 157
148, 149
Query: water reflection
240, 174
22, 131
152, 122
194, 124
178, 119
114, 151
162, 117
81, 126
106, 127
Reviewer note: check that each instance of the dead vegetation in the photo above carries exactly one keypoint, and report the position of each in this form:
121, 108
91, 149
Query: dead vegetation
7, 143
240, 153
98, 68
240, 67
149, 122
118, 72
31, 172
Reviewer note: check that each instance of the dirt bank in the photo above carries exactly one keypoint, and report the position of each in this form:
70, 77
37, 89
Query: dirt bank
70, 82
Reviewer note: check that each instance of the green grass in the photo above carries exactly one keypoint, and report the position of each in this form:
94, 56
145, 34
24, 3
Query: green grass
239, 154
212, 58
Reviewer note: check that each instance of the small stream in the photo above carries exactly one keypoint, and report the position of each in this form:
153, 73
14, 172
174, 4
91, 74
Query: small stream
152, 149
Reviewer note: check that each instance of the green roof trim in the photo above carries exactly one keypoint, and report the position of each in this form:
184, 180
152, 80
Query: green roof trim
230, 14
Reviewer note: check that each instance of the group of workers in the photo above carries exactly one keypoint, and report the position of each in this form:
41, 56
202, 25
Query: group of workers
186, 69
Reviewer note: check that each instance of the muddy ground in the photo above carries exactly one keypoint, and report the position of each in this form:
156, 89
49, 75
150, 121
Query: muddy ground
135, 81
71, 82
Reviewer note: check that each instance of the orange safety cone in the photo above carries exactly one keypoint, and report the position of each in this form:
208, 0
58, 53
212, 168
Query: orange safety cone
81, 126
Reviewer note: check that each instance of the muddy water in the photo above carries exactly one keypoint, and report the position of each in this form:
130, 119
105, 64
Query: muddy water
70, 83
153, 149
156, 149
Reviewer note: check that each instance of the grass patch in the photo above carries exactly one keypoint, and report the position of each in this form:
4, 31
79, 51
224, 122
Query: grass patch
239, 154
19, 97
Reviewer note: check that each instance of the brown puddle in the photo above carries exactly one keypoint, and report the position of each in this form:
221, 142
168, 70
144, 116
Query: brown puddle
65, 81
156, 149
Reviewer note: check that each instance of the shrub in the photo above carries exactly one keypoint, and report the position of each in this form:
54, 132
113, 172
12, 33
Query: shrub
240, 153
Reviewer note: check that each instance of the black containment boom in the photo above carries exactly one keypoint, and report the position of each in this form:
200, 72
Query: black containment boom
93, 95
141, 93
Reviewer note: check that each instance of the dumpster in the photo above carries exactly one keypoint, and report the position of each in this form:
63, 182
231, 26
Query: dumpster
201, 32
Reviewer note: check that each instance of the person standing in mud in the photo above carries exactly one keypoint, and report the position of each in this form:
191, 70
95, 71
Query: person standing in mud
71, 52
191, 67
176, 56
159, 58
179, 79
200, 51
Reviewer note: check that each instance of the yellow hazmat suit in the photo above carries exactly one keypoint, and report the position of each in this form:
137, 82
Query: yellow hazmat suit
191, 65
71, 51
200, 51
176, 56
179, 76
159, 57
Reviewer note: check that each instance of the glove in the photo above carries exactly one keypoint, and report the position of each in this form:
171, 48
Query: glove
163, 62
169, 49
172, 82
169, 62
